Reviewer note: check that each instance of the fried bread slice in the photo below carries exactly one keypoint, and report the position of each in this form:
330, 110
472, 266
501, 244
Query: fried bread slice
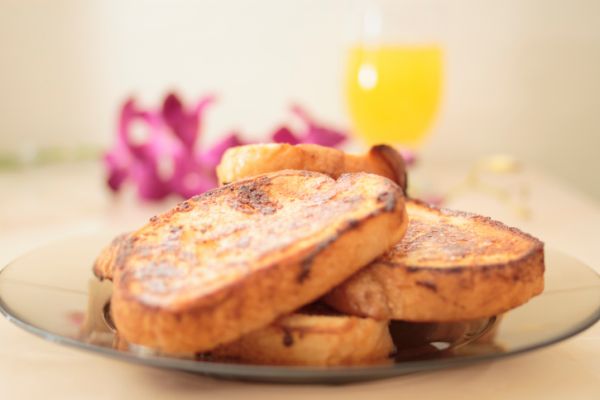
107, 259
316, 335
254, 159
234, 259
313, 339
320, 336
450, 266
505, 270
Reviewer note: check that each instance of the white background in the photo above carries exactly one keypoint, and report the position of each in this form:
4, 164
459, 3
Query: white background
522, 76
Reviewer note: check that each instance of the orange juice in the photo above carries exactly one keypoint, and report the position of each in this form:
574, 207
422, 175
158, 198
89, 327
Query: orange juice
393, 91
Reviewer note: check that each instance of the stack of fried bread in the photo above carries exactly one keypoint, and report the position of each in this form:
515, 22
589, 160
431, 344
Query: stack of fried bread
303, 256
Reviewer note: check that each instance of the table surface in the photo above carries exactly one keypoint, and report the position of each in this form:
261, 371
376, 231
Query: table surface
42, 205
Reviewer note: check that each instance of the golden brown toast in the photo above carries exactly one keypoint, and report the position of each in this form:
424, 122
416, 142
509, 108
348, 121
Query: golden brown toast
450, 266
254, 159
107, 259
329, 340
234, 259
313, 339
500, 275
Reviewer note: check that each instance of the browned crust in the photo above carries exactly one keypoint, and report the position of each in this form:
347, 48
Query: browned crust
430, 291
105, 262
315, 340
395, 163
251, 160
442, 211
237, 308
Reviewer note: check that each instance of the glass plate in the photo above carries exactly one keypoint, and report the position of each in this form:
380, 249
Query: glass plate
52, 293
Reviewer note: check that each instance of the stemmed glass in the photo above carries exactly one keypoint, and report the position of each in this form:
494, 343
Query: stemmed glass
394, 72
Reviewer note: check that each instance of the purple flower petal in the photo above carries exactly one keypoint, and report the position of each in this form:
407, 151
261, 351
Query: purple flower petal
302, 114
324, 137
140, 148
165, 159
284, 135
203, 103
183, 124
194, 182
212, 157
191, 176
129, 112
148, 182
317, 133
119, 159
116, 169
409, 156
137, 160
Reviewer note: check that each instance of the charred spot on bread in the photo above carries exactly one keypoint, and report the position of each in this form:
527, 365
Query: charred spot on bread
288, 339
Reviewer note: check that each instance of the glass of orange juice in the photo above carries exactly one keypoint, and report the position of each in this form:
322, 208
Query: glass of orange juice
394, 72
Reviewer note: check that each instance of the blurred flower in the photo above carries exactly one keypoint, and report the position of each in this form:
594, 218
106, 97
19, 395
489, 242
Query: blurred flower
409, 156
157, 150
313, 132
434, 199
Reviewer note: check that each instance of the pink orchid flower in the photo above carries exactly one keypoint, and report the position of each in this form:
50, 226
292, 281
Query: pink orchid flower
314, 132
168, 159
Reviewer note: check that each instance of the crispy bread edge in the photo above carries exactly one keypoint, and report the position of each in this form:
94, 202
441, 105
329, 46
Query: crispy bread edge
109, 256
240, 308
260, 158
395, 163
314, 340
387, 290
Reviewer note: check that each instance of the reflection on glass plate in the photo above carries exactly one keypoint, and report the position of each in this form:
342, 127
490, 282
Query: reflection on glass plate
52, 293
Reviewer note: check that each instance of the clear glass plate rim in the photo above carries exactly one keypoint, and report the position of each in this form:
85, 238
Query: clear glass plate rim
261, 371
266, 372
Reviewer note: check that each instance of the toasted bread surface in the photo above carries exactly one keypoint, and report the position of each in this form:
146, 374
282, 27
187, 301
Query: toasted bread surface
106, 260
450, 266
316, 340
234, 259
254, 159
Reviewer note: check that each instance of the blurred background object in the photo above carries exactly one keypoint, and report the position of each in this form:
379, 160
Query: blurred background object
395, 69
520, 76
157, 152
